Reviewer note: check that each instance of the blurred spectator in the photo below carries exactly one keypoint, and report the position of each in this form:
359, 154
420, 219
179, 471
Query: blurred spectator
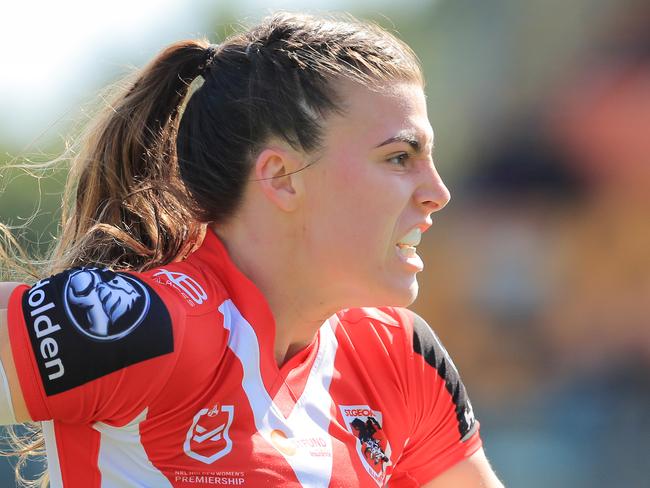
600, 119
543, 280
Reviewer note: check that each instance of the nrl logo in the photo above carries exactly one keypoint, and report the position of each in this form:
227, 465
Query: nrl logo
372, 445
207, 438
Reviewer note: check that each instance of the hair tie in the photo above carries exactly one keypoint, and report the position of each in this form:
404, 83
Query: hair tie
208, 58
253, 45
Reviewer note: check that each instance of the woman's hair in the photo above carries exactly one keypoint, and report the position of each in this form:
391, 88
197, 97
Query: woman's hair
158, 163
156, 166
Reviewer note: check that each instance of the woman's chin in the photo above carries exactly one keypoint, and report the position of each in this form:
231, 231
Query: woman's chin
378, 292
410, 294
398, 295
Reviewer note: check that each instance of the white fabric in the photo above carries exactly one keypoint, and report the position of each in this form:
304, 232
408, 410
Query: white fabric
309, 419
122, 460
52, 455
7, 415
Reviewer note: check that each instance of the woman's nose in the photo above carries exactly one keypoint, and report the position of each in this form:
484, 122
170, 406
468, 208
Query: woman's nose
432, 193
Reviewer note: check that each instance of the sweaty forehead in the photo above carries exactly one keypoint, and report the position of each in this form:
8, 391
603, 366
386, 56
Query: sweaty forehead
371, 116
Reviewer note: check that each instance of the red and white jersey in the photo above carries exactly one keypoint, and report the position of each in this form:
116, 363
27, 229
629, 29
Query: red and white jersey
168, 379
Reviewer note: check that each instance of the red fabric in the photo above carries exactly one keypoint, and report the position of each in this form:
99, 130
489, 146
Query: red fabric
410, 413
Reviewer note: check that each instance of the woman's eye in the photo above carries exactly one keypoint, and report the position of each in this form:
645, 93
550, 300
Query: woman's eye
399, 159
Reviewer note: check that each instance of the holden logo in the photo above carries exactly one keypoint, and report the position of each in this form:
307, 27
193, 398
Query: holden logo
207, 439
105, 305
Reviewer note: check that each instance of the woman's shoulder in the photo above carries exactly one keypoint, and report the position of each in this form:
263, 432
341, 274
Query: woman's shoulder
389, 325
376, 328
387, 317
195, 290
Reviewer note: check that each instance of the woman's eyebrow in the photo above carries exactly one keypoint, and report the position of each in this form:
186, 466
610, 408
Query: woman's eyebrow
410, 138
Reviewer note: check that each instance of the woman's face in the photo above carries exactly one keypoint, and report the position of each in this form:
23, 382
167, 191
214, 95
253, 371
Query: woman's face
370, 194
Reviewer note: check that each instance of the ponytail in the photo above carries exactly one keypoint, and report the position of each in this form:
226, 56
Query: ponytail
124, 204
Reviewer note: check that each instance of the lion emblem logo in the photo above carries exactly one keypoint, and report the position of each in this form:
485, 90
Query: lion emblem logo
105, 305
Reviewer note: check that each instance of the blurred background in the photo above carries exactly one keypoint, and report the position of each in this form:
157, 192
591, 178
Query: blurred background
537, 273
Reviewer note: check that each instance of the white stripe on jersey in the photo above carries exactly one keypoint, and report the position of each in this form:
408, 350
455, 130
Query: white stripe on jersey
122, 460
309, 418
52, 454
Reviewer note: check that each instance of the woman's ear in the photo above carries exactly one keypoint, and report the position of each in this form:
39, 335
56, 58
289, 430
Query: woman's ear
277, 171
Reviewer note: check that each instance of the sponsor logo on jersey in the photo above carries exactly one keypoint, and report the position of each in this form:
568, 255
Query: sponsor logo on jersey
104, 305
372, 446
75, 318
191, 290
282, 443
45, 328
313, 446
208, 437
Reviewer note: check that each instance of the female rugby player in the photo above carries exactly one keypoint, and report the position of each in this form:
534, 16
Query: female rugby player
225, 302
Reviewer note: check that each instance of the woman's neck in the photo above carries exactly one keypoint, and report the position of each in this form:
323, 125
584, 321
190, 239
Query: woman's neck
298, 302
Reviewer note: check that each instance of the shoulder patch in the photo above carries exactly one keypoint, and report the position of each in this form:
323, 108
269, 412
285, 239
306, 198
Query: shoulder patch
85, 323
427, 344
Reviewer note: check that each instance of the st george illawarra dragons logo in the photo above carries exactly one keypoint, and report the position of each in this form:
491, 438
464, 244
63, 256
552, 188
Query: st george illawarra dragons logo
372, 445
105, 305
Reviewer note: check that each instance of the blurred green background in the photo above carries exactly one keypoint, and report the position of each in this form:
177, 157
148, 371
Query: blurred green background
538, 272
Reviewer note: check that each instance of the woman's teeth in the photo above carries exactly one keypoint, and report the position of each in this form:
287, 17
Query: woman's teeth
406, 245
407, 251
412, 238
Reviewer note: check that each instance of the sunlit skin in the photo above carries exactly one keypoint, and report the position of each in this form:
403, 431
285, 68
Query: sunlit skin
368, 190
325, 238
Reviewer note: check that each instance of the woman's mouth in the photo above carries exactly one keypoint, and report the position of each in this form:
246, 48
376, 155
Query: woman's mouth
406, 247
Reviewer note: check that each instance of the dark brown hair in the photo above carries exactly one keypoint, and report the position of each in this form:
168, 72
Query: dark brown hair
156, 166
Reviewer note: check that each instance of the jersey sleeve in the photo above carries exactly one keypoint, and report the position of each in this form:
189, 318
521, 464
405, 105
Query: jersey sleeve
90, 344
443, 430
